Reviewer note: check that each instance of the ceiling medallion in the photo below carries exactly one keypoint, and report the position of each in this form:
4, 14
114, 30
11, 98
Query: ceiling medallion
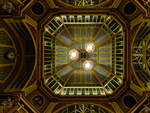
83, 54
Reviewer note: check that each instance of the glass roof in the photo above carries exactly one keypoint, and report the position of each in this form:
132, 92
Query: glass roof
68, 77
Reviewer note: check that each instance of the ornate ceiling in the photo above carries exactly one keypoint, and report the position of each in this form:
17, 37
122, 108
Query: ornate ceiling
66, 77
74, 56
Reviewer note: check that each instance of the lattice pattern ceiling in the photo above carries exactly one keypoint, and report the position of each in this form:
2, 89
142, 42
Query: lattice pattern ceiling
66, 77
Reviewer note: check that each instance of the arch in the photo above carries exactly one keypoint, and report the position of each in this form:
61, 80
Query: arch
140, 54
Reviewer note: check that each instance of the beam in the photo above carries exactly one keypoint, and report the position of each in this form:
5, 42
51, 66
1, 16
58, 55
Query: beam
61, 41
100, 82
7, 65
70, 35
9, 46
100, 29
68, 78
102, 67
60, 70
107, 39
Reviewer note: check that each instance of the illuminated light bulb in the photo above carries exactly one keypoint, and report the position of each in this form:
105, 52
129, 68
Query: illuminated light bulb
46, 29
88, 65
73, 54
90, 47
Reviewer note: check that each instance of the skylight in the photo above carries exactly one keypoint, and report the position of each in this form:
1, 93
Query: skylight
83, 55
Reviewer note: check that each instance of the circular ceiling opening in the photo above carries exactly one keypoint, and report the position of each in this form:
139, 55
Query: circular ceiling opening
129, 101
83, 54
129, 8
37, 101
37, 8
